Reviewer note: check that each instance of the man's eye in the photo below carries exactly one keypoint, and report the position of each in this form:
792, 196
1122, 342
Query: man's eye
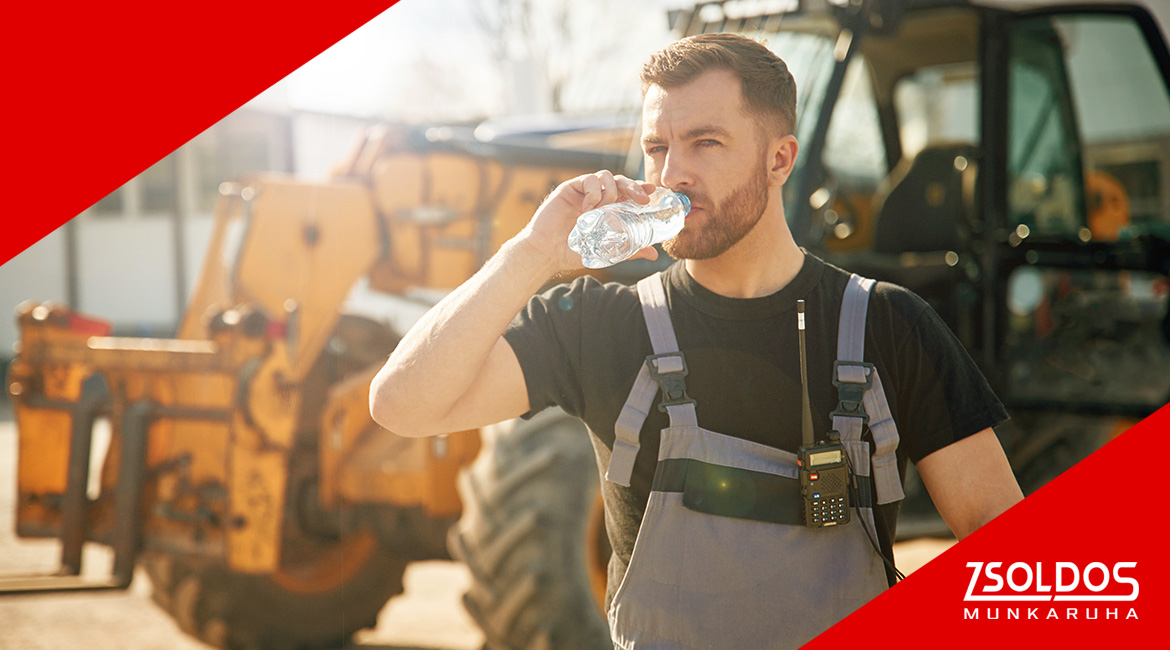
708, 143
650, 151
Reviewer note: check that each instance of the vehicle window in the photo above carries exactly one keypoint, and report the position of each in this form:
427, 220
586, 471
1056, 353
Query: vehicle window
855, 159
1125, 125
1089, 146
1065, 92
937, 104
1044, 168
810, 60
854, 147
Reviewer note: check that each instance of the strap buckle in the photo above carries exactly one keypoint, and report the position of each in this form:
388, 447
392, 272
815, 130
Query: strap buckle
852, 379
670, 377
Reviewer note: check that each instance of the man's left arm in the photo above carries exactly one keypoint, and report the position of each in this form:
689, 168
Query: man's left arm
970, 482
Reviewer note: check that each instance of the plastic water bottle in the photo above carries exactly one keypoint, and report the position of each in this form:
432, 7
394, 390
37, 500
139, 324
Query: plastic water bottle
611, 233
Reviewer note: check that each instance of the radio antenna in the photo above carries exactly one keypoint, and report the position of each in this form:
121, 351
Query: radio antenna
806, 428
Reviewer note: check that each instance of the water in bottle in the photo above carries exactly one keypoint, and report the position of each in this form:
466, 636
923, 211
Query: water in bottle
611, 233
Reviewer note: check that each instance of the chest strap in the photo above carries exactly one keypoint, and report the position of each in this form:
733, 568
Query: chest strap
860, 396
664, 371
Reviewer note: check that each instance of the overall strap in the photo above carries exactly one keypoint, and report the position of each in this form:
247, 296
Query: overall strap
861, 398
664, 370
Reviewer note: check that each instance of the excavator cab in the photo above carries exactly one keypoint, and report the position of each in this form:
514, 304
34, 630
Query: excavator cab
1008, 165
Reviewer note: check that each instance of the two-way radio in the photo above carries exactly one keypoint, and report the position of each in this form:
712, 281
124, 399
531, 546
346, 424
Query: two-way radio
824, 474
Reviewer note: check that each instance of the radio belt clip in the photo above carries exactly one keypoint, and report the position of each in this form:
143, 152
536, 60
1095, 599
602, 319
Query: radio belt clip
852, 379
670, 371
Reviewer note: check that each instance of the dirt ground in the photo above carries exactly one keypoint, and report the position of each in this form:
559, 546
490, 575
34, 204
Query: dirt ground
428, 616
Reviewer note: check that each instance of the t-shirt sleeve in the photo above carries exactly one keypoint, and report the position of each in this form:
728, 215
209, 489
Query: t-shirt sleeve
545, 337
943, 397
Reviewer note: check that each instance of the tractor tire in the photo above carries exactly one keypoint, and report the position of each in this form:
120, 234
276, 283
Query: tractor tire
314, 610
526, 537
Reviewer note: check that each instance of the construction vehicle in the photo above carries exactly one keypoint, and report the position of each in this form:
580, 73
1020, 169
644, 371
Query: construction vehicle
944, 146
993, 158
244, 472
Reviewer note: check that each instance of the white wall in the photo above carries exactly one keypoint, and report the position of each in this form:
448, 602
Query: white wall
37, 273
126, 271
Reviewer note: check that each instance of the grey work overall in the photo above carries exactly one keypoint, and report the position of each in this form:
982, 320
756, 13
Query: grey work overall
722, 558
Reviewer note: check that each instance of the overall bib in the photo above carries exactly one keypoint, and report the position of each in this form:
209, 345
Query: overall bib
722, 558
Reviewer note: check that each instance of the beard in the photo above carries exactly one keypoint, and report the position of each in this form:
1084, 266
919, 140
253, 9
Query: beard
725, 224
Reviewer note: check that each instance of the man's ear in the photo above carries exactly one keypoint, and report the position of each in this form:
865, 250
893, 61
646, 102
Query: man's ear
782, 153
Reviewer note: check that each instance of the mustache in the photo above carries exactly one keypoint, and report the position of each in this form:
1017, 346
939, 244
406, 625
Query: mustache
697, 199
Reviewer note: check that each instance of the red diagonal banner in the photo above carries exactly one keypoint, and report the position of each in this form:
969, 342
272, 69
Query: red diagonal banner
1081, 563
97, 92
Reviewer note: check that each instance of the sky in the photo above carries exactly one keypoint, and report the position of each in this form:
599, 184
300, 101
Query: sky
429, 60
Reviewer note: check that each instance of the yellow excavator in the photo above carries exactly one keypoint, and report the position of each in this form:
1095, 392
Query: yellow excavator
947, 145
244, 472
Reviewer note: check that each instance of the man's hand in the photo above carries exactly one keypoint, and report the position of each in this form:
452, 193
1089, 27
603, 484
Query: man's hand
453, 370
548, 232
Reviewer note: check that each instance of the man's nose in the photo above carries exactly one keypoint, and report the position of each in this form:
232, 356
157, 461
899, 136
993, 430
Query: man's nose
676, 172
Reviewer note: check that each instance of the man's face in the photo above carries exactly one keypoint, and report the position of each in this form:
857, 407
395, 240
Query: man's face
698, 140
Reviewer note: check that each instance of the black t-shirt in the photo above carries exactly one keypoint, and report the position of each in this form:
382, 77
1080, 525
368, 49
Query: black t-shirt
581, 344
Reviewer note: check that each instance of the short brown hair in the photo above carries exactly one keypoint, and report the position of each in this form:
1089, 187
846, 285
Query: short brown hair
768, 88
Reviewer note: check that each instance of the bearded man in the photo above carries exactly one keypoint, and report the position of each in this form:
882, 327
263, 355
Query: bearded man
711, 546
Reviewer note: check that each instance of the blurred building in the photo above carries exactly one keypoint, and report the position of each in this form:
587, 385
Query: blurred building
133, 256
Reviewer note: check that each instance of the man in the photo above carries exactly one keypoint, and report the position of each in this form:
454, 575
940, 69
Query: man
718, 117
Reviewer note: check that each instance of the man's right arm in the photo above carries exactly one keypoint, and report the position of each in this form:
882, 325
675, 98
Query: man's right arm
453, 370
